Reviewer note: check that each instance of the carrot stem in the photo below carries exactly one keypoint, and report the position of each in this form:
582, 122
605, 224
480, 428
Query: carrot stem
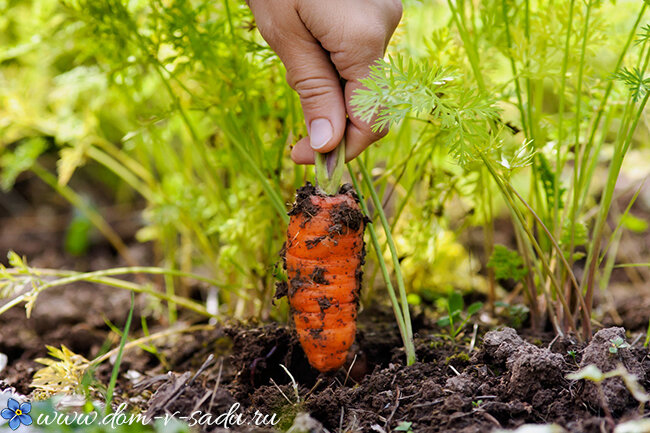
329, 169
384, 269
405, 315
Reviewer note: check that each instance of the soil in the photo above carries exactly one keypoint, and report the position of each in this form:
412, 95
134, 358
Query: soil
509, 378
506, 382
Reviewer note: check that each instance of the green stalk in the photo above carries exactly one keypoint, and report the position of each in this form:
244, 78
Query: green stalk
593, 159
119, 168
578, 147
560, 255
606, 201
507, 190
125, 159
470, 48
633, 265
603, 102
405, 331
118, 360
619, 226
513, 67
612, 247
393, 251
329, 169
102, 277
529, 88
272, 194
559, 165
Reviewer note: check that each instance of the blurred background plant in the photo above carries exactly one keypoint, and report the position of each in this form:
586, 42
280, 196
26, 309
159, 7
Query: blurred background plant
507, 116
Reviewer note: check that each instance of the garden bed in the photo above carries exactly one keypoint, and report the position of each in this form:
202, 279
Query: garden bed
504, 382
478, 382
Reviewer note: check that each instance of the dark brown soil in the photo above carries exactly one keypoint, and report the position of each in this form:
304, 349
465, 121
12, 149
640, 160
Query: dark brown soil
505, 383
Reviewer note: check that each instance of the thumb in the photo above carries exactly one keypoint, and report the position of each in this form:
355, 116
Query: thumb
310, 73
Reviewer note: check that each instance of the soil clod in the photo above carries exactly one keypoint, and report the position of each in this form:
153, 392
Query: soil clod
617, 396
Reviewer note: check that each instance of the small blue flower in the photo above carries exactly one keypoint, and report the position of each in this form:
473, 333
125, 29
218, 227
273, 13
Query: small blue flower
17, 413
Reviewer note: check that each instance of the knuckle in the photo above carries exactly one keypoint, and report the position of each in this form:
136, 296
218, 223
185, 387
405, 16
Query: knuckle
309, 87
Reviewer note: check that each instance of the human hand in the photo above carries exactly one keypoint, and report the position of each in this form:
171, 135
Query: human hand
322, 42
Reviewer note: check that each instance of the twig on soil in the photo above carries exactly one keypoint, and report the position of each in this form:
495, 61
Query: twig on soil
294, 384
313, 388
201, 369
553, 342
177, 389
216, 386
454, 370
395, 406
202, 400
150, 338
428, 403
472, 344
147, 382
283, 394
347, 374
636, 340
490, 418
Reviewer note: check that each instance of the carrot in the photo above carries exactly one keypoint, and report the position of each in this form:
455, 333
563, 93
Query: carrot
323, 256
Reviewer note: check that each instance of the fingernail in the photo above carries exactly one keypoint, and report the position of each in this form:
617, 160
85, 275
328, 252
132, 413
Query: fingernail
320, 132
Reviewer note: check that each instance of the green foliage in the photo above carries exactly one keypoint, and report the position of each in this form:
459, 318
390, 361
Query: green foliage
572, 354
507, 264
635, 82
77, 236
399, 87
548, 179
531, 74
456, 318
634, 224
404, 426
21, 159
617, 344
574, 234
180, 101
495, 108
515, 314
644, 35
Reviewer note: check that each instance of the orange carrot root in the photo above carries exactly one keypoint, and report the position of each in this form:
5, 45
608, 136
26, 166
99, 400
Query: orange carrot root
324, 253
